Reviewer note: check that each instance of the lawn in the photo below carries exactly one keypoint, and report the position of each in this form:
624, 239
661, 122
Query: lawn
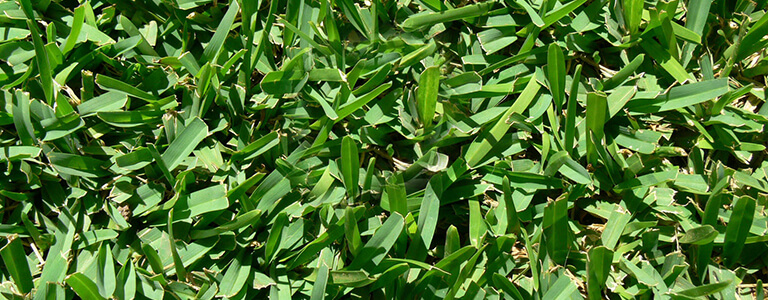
393, 149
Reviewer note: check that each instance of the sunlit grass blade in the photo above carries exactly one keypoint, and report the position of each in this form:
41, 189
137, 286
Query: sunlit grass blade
556, 75
350, 166
429, 82
420, 21
482, 145
15, 261
83, 286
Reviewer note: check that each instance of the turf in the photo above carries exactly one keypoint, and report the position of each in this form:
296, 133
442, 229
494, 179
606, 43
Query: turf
395, 149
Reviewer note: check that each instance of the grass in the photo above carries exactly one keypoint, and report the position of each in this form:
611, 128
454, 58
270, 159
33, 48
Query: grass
398, 149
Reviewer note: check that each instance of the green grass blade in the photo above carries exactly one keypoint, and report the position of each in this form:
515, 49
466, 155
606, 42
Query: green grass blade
77, 26
752, 41
396, 194
83, 286
183, 145
258, 147
704, 290
15, 261
126, 281
563, 288
212, 50
41, 54
556, 231
700, 235
379, 245
597, 111
624, 73
350, 166
429, 211
420, 21
178, 265
318, 289
111, 84
556, 75
598, 268
236, 275
477, 226
666, 60
452, 241
680, 96
351, 232
738, 229
614, 228
275, 237
426, 97
22, 119
633, 12
482, 145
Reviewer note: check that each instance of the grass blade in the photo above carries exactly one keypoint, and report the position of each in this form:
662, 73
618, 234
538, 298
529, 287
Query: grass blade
614, 228
183, 145
15, 261
598, 268
420, 21
482, 145
426, 97
477, 227
83, 286
556, 231
379, 245
681, 96
738, 229
700, 235
41, 54
350, 166
597, 112
212, 50
351, 232
111, 84
556, 75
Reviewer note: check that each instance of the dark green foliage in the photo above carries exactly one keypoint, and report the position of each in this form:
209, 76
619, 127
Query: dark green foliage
322, 149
